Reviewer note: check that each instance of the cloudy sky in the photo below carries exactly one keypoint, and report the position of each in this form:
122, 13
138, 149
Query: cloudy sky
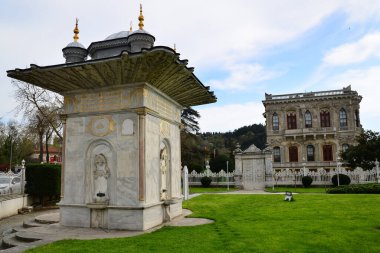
241, 48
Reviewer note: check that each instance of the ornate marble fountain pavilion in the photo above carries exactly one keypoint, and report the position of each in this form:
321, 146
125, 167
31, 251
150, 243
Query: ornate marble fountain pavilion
121, 166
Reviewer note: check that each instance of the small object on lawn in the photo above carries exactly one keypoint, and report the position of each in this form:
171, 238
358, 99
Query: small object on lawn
288, 196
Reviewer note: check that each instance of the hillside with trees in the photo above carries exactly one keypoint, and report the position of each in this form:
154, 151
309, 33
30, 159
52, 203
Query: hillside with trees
216, 147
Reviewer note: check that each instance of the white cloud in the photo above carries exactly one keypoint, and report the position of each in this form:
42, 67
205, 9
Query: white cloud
356, 52
230, 117
241, 76
366, 83
360, 11
210, 33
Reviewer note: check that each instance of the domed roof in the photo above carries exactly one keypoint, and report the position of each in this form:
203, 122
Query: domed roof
75, 44
140, 31
122, 34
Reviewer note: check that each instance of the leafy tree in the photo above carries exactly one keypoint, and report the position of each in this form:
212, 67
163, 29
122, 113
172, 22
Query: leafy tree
189, 118
15, 143
35, 100
219, 163
365, 153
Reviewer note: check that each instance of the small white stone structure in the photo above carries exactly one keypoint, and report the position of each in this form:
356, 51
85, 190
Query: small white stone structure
122, 118
251, 167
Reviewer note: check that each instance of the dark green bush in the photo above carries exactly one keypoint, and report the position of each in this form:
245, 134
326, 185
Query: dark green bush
43, 180
193, 166
306, 181
206, 181
356, 189
343, 180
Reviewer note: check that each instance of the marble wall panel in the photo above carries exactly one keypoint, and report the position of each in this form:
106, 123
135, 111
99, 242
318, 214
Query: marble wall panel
75, 216
125, 219
127, 191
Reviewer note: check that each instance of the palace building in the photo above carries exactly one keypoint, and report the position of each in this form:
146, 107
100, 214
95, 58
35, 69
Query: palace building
311, 129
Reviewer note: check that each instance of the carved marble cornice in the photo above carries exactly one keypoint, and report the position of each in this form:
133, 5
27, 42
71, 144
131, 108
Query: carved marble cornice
310, 99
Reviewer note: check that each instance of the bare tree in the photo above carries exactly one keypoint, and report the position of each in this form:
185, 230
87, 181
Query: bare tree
34, 99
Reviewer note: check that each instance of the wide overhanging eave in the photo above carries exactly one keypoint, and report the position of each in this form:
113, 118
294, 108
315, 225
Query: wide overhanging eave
158, 66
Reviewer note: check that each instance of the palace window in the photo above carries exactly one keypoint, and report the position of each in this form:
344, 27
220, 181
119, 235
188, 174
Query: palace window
345, 147
293, 154
325, 118
308, 120
327, 153
275, 122
276, 155
292, 120
310, 153
342, 118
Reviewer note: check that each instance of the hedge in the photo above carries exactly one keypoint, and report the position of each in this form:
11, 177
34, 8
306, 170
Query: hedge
356, 189
343, 180
306, 181
206, 181
43, 179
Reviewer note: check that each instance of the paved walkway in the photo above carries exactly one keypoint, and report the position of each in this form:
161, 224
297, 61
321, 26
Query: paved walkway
18, 219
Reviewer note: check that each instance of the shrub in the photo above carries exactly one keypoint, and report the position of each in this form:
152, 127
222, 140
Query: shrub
193, 166
306, 181
206, 181
356, 189
343, 180
43, 180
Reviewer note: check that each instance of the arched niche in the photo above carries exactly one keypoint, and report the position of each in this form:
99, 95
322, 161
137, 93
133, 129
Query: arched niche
100, 172
165, 170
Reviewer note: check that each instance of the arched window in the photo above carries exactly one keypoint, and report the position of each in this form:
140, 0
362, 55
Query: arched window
276, 155
344, 147
275, 123
342, 118
325, 118
293, 154
308, 120
292, 120
310, 153
357, 119
327, 153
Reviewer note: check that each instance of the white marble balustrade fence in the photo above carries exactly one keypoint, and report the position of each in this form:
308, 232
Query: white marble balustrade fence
218, 178
320, 177
323, 177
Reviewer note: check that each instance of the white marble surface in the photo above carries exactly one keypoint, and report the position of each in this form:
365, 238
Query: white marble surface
113, 131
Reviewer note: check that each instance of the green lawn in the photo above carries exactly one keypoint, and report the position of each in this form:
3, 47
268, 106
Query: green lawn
297, 189
210, 189
258, 223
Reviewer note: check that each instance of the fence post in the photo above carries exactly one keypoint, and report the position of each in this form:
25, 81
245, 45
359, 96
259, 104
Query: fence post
185, 183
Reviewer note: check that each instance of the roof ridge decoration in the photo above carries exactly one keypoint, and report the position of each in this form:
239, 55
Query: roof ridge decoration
76, 30
141, 19
252, 149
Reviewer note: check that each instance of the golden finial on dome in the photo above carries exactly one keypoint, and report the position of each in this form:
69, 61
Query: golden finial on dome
141, 19
130, 26
76, 31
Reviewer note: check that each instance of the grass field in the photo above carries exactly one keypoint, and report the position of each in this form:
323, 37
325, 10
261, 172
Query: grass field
297, 189
258, 223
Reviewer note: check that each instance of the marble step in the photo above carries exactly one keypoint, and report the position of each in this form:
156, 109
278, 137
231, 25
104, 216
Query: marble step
24, 236
50, 218
31, 224
11, 241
